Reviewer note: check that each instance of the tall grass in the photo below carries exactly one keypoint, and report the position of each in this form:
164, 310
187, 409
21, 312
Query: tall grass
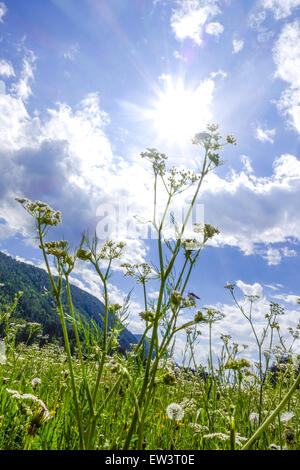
98, 398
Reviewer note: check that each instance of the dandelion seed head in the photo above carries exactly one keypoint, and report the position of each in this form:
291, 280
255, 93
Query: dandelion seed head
175, 411
254, 418
286, 416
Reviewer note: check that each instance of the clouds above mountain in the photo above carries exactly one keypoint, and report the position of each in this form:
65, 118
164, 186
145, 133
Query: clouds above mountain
63, 155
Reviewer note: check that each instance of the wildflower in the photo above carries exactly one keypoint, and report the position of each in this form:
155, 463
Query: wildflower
213, 315
40, 414
252, 298
230, 139
198, 427
166, 364
179, 178
225, 338
147, 316
189, 330
274, 447
35, 382
43, 213
286, 416
210, 231
190, 244
114, 308
237, 364
157, 159
169, 378
175, 300
254, 418
199, 317
38, 419
200, 138
2, 352
83, 255
267, 353
230, 287
189, 405
239, 439
175, 411
276, 309
140, 272
220, 435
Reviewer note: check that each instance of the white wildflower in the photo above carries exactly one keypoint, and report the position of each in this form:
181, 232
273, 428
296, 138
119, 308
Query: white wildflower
200, 137
254, 418
286, 416
240, 439
189, 405
274, 447
35, 382
2, 352
220, 435
198, 427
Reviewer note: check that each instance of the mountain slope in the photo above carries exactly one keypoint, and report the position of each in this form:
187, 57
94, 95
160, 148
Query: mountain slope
36, 306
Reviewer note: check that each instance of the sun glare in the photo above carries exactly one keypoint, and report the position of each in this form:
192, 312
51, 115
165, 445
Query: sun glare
179, 113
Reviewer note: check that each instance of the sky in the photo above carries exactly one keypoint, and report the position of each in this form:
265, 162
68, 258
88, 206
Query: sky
87, 85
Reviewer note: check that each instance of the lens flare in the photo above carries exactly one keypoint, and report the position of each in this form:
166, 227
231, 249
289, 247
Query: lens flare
179, 113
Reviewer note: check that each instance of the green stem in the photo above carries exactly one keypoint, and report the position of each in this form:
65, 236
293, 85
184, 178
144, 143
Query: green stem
57, 294
264, 425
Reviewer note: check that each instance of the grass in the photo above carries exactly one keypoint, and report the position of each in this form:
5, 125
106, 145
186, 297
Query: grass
218, 414
99, 399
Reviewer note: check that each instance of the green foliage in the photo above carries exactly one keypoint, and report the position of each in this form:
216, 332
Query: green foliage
37, 304
98, 398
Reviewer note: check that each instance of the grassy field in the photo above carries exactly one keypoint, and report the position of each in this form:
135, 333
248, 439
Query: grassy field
37, 409
53, 398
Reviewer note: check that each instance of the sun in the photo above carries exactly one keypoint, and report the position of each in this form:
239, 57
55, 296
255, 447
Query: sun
179, 113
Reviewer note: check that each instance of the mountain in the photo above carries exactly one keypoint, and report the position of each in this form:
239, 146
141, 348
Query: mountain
37, 306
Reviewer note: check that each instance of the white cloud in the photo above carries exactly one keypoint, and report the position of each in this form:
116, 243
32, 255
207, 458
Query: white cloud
273, 256
270, 286
22, 88
288, 252
250, 289
189, 18
214, 29
71, 52
3, 11
256, 20
288, 298
265, 135
219, 73
286, 54
252, 212
6, 69
67, 156
280, 8
179, 56
237, 45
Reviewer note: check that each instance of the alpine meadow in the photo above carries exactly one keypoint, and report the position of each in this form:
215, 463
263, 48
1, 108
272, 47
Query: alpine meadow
149, 227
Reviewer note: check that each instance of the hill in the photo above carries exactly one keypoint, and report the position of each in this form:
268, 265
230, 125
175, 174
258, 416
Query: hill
37, 306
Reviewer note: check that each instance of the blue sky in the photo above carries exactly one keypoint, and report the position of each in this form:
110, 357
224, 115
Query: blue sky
87, 85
